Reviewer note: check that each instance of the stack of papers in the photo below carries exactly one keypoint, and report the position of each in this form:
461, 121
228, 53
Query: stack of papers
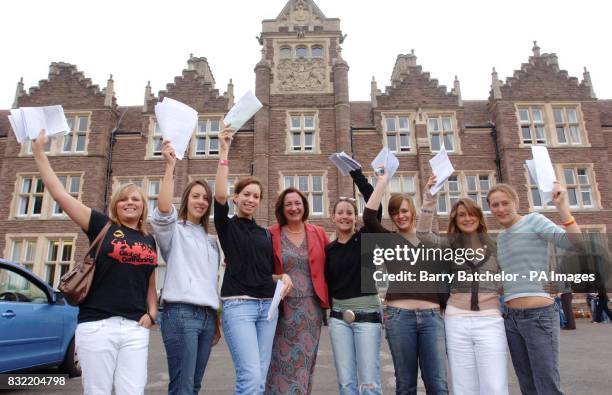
242, 111
344, 163
442, 168
177, 122
541, 171
27, 122
387, 159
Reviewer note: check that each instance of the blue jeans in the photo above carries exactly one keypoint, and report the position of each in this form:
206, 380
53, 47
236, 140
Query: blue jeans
533, 339
416, 338
187, 331
356, 349
249, 336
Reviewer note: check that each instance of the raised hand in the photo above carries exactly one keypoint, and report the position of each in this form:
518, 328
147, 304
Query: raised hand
225, 139
559, 196
168, 153
381, 175
430, 183
39, 144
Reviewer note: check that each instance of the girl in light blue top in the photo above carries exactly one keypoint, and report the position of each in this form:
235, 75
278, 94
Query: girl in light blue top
532, 318
189, 323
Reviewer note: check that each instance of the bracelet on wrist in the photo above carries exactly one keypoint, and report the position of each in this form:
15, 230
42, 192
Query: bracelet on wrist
569, 222
223, 162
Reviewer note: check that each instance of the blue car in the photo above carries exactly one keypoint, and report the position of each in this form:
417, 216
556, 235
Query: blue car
37, 324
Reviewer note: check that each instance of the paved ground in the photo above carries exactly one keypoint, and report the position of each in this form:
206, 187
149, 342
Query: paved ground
586, 364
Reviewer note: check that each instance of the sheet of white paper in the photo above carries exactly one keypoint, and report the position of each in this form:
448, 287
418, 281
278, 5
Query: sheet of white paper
387, 159
344, 163
177, 122
19, 132
34, 119
442, 168
276, 300
55, 120
545, 197
543, 168
350, 162
242, 111
17, 115
50, 118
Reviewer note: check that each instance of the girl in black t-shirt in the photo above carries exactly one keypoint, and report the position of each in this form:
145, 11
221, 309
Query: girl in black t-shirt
112, 336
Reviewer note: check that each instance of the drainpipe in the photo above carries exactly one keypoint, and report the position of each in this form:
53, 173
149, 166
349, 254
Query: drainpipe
497, 155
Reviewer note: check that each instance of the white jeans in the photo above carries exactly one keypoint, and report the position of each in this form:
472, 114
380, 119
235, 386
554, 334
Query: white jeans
113, 351
477, 355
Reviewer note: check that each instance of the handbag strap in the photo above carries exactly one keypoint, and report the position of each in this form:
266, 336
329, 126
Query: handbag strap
98, 241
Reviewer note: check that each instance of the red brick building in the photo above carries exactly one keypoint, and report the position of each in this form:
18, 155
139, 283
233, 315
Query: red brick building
302, 80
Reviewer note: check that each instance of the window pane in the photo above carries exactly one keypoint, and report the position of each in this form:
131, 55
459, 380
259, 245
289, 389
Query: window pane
569, 176
200, 145
471, 183
408, 184
433, 124
524, 115
442, 203
285, 52
435, 142
484, 183
16, 255
540, 133
53, 249
535, 195
37, 205
317, 52
392, 143
537, 115
295, 140
83, 121
448, 142
573, 198
586, 197
473, 196
24, 203
583, 178
558, 115
80, 145
317, 183
484, 204
309, 121
403, 122
26, 185
526, 131
571, 116
67, 142
447, 124
202, 126
62, 180
64, 270
404, 142
295, 122
301, 52
214, 125
308, 137
574, 134
303, 183
67, 252
154, 188
394, 185
288, 181
50, 274
390, 122
214, 146
317, 203
70, 121
40, 187
453, 183
75, 183
561, 134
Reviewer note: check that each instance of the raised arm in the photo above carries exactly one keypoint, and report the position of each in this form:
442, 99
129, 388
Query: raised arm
428, 208
225, 141
365, 188
370, 220
76, 210
166, 191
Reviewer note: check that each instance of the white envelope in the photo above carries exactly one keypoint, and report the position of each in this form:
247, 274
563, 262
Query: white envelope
177, 122
543, 168
242, 111
387, 159
442, 168
545, 197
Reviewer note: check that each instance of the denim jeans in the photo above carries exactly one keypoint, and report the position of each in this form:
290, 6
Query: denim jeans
356, 349
416, 338
533, 339
187, 331
249, 336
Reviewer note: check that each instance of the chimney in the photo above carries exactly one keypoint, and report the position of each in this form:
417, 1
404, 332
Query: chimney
495, 85
109, 91
18, 93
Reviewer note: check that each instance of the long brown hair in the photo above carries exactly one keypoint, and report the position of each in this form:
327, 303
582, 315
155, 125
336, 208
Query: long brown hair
185, 199
280, 205
456, 236
121, 194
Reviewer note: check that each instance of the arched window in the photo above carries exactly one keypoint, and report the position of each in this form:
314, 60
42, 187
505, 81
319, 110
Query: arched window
317, 51
301, 52
285, 52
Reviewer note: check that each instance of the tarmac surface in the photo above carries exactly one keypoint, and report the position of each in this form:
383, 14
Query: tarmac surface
586, 366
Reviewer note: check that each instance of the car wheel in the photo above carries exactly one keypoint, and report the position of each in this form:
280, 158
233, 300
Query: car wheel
71, 361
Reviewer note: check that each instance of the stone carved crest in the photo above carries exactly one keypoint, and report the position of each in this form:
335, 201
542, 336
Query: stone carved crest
301, 75
300, 14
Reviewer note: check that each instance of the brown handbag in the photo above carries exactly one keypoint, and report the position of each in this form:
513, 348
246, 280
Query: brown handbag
76, 283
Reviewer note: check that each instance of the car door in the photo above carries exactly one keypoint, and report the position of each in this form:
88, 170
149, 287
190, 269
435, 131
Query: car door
30, 326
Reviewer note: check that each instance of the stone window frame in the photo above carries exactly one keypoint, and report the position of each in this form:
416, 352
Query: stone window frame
41, 245
290, 132
51, 266
414, 194
560, 173
209, 135
47, 203
145, 183
23, 254
310, 192
309, 46
451, 195
551, 138
154, 140
454, 132
210, 179
55, 145
411, 130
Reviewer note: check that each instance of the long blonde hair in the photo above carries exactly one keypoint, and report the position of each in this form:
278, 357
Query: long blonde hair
121, 194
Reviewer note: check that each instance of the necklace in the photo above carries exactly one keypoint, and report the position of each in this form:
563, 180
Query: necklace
293, 231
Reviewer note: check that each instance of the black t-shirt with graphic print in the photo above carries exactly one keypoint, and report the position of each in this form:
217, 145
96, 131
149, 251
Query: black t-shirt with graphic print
121, 279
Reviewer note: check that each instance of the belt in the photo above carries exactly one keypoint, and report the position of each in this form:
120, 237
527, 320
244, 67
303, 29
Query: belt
349, 316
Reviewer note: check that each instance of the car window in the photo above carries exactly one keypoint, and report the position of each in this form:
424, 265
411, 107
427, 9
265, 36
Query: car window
16, 288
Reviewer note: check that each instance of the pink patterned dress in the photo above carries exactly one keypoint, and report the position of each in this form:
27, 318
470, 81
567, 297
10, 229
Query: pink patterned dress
296, 342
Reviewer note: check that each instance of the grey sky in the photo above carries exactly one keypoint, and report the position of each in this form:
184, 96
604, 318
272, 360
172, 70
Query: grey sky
138, 40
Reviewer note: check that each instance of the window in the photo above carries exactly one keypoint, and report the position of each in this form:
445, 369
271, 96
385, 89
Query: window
72, 184
207, 137
449, 194
317, 51
155, 141
59, 259
285, 52
23, 251
16, 288
75, 141
152, 194
533, 130
478, 186
302, 129
397, 133
441, 133
567, 125
26, 148
578, 184
31, 195
312, 186
301, 52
